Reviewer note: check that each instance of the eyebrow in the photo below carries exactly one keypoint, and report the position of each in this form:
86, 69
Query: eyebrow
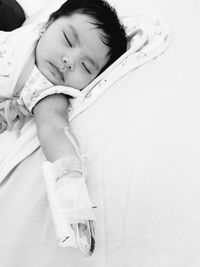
88, 57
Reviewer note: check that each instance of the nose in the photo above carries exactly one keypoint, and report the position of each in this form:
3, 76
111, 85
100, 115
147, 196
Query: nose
68, 64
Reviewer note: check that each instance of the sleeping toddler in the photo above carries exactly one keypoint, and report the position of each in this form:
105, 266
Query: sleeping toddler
80, 40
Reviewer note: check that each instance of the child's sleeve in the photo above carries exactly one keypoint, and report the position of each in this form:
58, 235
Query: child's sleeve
31, 98
38, 87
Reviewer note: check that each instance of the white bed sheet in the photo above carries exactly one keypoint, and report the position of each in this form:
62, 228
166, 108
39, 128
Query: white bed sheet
142, 141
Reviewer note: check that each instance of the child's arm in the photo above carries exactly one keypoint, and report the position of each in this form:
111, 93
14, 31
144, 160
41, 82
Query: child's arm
69, 199
51, 117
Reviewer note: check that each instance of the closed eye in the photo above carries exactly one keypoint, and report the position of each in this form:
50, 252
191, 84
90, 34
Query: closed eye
68, 41
86, 68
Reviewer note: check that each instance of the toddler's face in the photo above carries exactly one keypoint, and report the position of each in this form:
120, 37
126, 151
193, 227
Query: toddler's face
71, 52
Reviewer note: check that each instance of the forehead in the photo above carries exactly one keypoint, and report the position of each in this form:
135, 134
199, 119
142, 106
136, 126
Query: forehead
78, 18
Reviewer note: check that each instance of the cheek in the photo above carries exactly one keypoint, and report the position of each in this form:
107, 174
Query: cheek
41, 48
77, 80
47, 46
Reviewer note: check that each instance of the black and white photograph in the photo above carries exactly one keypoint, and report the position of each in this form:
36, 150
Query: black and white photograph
99, 133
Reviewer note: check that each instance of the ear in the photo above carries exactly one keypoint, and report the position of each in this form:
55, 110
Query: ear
45, 26
49, 22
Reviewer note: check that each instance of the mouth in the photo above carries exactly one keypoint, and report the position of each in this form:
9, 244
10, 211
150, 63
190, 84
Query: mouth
56, 73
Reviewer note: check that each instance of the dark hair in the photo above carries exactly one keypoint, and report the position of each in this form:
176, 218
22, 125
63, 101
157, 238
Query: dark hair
105, 18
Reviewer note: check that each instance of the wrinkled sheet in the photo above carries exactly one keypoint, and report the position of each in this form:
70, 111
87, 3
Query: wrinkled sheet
142, 139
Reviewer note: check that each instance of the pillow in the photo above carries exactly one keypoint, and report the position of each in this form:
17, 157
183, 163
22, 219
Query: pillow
32, 7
